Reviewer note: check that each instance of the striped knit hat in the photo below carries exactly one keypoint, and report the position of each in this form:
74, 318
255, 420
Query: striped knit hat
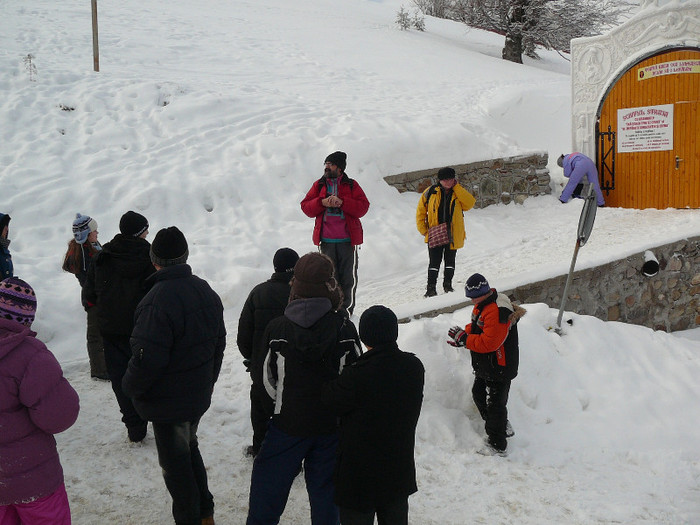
17, 301
83, 225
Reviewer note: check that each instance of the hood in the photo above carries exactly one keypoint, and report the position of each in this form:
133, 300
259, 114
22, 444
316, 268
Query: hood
315, 326
12, 334
306, 312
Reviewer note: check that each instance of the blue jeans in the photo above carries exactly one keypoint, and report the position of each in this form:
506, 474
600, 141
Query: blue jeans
183, 471
278, 463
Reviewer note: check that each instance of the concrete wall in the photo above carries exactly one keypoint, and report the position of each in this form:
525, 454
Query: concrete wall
490, 181
619, 291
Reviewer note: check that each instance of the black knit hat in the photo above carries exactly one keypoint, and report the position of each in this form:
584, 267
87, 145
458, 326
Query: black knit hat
477, 286
4, 221
338, 158
378, 325
284, 260
314, 276
446, 173
169, 247
133, 224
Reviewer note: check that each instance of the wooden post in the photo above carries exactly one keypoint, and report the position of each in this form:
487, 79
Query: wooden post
95, 46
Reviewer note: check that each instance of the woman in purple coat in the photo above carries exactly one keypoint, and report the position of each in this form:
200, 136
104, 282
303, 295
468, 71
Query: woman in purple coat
36, 402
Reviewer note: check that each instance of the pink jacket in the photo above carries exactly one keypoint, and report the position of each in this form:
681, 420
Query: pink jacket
355, 205
36, 401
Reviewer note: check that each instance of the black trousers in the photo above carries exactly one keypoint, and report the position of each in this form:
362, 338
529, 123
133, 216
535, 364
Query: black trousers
394, 513
183, 471
261, 408
344, 257
491, 397
117, 355
435, 257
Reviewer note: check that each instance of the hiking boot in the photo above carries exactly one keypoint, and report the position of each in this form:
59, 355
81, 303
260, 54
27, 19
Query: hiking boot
447, 287
489, 450
251, 451
137, 433
430, 292
509, 430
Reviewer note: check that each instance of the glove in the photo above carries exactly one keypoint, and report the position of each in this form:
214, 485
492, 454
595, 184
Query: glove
459, 337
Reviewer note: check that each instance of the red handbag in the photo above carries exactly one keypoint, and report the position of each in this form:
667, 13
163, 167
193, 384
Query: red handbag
438, 235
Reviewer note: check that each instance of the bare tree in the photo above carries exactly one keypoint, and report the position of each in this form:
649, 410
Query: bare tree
529, 23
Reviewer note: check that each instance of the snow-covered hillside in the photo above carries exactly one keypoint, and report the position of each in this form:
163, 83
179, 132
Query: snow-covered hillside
216, 117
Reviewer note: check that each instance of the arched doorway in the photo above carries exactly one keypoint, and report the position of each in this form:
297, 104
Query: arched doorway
648, 133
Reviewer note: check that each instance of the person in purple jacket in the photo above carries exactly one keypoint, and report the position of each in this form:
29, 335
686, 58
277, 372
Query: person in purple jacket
36, 402
580, 170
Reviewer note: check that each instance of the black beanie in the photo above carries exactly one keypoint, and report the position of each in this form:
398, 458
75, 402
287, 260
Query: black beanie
378, 325
446, 173
476, 286
169, 247
285, 259
338, 158
133, 224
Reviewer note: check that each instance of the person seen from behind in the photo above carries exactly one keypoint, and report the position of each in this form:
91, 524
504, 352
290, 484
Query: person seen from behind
309, 345
265, 302
378, 399
6, 267
492, 341
177, 347
36, 402
116, 283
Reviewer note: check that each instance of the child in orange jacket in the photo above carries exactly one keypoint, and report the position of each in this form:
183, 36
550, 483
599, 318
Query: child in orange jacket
492, 339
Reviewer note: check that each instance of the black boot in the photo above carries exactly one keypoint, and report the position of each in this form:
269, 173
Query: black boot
431, 291
447, 279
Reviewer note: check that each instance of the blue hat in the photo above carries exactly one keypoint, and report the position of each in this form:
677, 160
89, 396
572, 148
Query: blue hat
83, 225
477, 285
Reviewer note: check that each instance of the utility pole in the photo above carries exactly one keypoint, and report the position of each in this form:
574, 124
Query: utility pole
95, 46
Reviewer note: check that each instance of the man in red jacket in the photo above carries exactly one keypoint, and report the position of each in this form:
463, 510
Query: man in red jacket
337, 202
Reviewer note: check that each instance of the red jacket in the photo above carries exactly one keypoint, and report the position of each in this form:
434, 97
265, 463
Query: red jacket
355, 205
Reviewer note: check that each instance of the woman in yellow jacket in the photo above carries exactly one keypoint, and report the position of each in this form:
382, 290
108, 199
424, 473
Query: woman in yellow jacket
446, 203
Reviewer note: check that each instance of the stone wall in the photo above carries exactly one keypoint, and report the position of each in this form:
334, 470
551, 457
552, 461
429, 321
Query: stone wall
490, 181
619, 291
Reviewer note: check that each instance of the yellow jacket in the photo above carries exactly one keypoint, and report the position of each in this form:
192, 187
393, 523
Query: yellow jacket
427, 213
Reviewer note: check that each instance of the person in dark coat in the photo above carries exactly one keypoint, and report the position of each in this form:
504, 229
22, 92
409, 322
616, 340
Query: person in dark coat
306, 347
379, 399
6, 268
177, 347
492, 341
265, 302
116, 283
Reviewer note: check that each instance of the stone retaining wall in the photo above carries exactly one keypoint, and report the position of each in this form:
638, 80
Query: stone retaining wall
619, 291
490, 181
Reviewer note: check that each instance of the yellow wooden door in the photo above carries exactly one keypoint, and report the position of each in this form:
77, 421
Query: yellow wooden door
656, 175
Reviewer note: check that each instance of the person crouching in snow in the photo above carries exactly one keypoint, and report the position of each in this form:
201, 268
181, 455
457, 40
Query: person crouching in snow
36, 402
492, 340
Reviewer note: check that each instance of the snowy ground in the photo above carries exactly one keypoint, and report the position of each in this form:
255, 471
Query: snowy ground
216, 117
